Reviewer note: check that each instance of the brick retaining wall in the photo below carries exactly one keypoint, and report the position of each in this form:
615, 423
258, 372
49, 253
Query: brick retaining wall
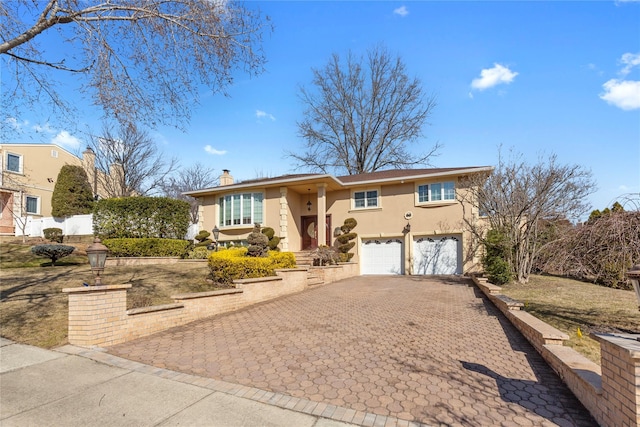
98, 315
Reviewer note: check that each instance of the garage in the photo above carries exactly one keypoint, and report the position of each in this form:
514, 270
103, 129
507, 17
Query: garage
437, 255
382, 256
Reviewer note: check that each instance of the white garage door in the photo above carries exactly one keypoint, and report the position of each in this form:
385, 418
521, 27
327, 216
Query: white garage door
381, 256
437, 255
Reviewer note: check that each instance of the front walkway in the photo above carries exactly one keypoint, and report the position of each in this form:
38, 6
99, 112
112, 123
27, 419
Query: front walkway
430, 350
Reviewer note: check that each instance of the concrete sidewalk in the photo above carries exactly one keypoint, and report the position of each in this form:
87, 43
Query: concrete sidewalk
71, 386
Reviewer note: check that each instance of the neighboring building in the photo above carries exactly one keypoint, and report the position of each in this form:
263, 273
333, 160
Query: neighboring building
409, 221
28, 173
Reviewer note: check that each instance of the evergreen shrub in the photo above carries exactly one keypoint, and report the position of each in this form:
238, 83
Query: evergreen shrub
53, 234
141, 217
147, 247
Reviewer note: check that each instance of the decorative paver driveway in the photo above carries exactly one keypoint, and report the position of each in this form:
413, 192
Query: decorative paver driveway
430, 350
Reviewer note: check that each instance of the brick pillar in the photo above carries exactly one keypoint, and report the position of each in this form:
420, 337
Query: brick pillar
620, 379
97, 315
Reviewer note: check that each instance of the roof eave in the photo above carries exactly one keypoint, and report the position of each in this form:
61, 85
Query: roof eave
421, 176
262, 184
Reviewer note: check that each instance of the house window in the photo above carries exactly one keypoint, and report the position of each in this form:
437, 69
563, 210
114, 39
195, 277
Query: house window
14, 163
54, 153
32, 203
365, 199
241, 209
438, 191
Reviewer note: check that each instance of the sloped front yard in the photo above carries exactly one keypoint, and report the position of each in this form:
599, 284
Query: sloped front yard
570, 304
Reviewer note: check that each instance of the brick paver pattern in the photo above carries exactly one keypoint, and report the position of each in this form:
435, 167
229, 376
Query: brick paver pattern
428, 350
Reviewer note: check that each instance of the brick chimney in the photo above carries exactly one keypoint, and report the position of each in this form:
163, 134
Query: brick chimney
226, 178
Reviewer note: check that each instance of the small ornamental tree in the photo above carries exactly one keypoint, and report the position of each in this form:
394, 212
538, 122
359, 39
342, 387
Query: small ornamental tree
258, 243
53, 252
274, 240
345, 239
72, 194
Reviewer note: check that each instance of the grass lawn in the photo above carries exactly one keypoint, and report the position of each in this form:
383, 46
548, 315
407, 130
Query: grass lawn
33, 309
570, 304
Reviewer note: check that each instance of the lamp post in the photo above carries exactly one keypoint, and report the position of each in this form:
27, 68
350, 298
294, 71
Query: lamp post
634, 278
97, 254
216, 234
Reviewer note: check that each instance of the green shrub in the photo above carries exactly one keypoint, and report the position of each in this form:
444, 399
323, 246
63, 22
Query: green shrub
141, 217
232, 264
495, 260
53, 234
203, 239
147, 247
72, 194
199, 252
274, 240
53, 252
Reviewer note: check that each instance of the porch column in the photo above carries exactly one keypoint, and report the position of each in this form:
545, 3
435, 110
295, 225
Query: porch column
322, 214
284, 219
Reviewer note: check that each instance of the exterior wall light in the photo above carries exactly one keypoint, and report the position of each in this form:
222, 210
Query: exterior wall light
634, 278
97, 254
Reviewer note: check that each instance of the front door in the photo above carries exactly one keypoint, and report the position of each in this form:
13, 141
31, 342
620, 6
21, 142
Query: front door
310, 232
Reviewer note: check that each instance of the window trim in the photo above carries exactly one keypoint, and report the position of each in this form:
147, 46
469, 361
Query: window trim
442, 200
366, 206
223, 211
26, 204
20, 162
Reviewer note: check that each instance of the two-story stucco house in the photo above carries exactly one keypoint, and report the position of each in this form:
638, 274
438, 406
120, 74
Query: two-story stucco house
28, 174
409, 221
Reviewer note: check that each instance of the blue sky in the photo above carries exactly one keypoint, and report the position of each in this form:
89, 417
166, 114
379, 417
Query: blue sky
538, 77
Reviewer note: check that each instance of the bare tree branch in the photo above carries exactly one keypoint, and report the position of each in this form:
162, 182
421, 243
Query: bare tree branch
518, 197
361, 116
130, 162
148, 58
195, 177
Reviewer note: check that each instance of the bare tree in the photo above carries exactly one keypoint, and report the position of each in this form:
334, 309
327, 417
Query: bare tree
130, 163
142, 61
361, 115
600, 250
521, 200
196, 177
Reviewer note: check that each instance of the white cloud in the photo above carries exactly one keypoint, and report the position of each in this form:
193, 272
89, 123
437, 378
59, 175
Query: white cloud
209, 149
629, 60
262, 114
624, 94
402, 11
15, 124
44, 128
65, 139
490, 77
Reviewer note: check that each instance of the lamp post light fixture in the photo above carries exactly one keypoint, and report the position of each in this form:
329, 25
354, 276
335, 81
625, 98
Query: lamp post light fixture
97, 254
309, 199
216, 234
634, 278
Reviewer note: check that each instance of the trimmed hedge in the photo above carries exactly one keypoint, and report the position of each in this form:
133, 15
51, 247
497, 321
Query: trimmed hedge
147, 247
53, 234
232, 264
141, 217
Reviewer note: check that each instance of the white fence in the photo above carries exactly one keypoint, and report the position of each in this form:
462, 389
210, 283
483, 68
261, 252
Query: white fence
77, 225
